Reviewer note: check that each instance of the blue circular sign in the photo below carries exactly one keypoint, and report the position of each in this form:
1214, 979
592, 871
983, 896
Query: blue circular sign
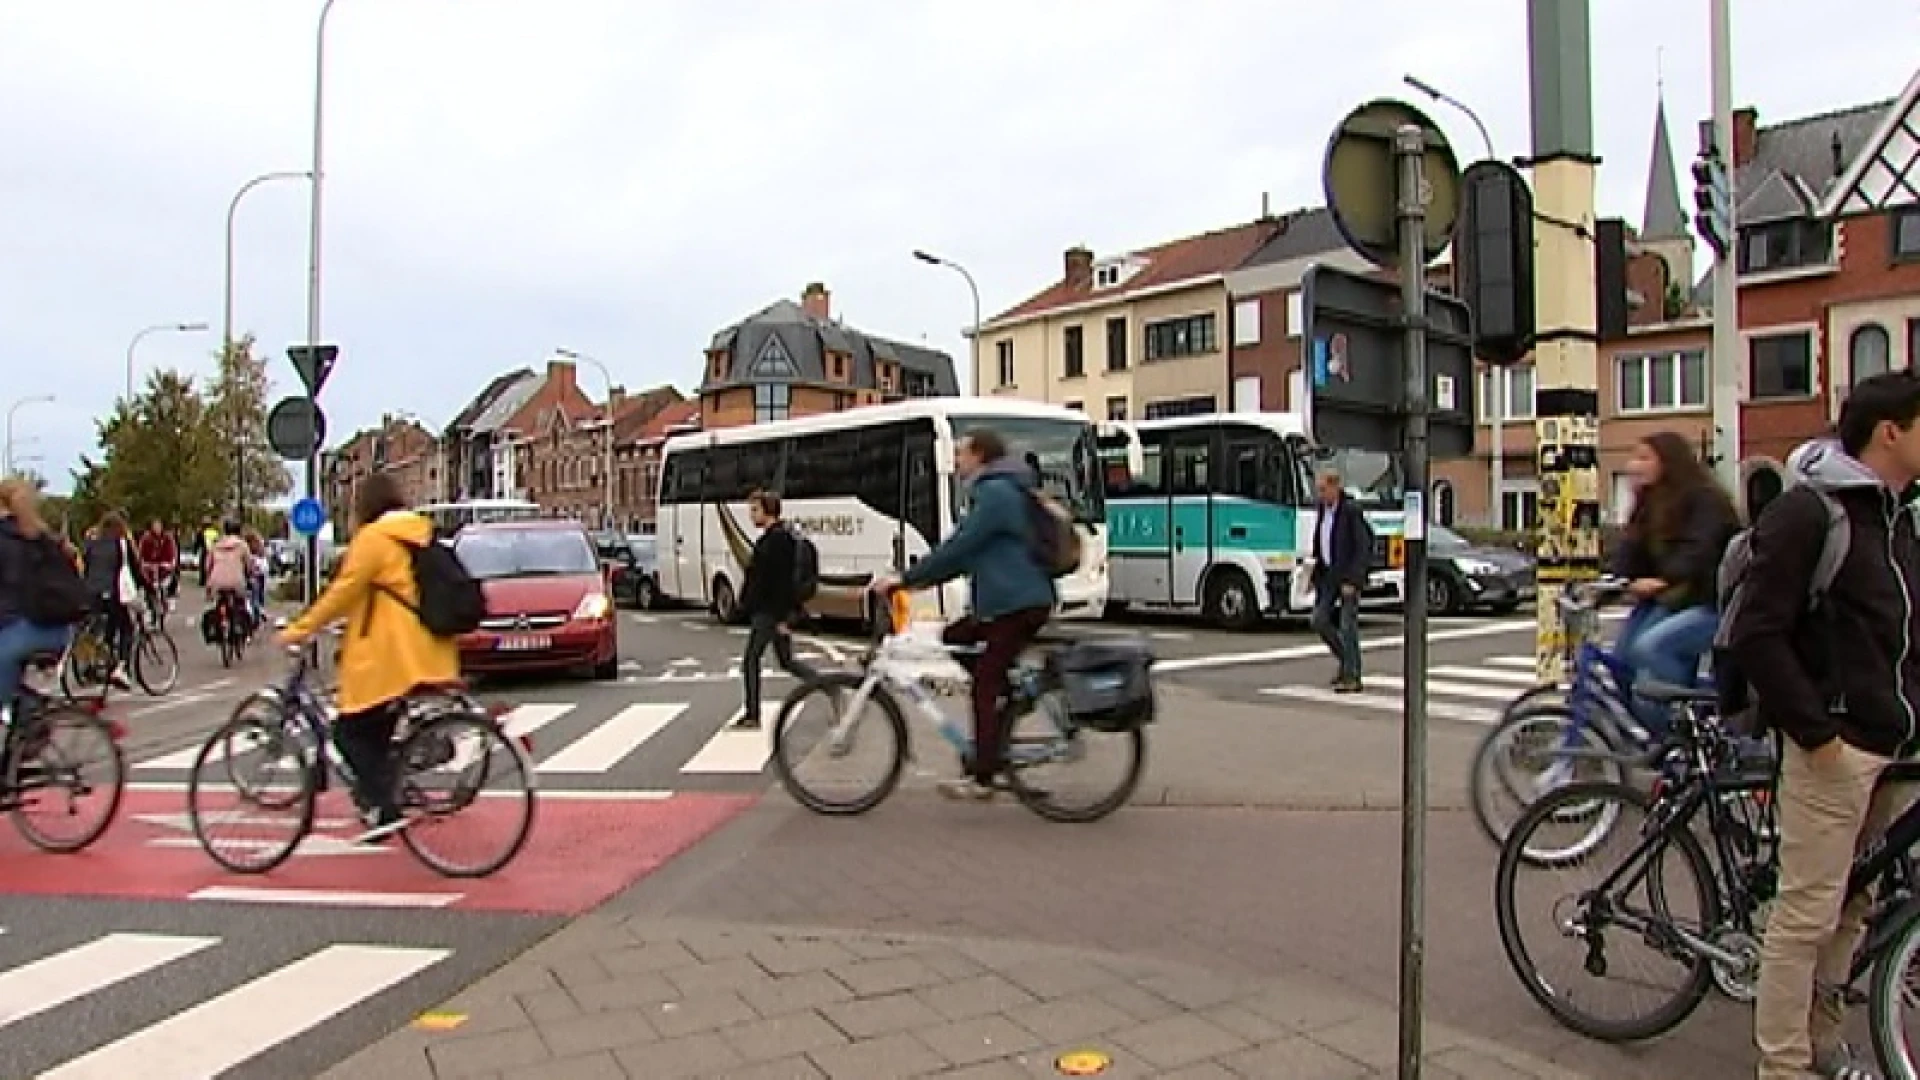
307, 517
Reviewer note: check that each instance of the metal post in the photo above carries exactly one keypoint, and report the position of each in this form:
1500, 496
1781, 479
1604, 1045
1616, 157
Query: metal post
226, 330
6, 460
311, 586
158, 328
974, 289
1725, 355
1409, 148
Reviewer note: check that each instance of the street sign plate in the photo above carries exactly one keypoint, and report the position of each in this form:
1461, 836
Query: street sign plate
1357, 370
307, 517
313, 363
1358, 175
296, 428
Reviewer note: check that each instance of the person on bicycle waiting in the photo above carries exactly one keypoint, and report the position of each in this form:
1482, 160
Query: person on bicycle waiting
1842, 682
386, 654
1012, 594
228, 568
21, 530
1670, 555
111, 576
159, 562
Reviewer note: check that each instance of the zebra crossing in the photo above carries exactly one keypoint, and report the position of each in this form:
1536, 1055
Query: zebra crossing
189, 1002
660, 740
1463, 693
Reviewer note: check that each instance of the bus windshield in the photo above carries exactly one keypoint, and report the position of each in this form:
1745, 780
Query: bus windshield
1062, 451
1373, 478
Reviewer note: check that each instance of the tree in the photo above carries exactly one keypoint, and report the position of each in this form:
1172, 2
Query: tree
237, 409
163, 458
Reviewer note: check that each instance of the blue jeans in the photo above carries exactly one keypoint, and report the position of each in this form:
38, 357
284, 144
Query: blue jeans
20, 640
1668, 646
1336, 618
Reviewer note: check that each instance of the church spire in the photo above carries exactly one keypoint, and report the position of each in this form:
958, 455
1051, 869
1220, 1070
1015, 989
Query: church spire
1664, 219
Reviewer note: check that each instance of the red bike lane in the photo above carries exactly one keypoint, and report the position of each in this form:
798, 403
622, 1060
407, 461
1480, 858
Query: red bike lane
583, 848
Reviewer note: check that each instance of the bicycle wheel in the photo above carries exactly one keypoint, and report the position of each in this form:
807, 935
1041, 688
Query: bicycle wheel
811, 731
1893, 983
1046, 737
1518, 761
67, 766
488, 786
156, 662
261, 841
1601, 927
254, 756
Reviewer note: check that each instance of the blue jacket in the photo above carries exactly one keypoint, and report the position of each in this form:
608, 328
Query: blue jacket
994, 546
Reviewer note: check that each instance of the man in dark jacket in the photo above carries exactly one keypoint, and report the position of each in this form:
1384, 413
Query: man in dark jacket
1342, 555
768, 599
1842, 682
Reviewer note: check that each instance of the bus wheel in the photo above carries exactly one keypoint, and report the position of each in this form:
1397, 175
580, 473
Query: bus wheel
1230, 601
725, 608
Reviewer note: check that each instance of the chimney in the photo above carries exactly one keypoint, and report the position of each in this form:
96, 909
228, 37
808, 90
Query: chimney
1839, 153
1079, 262
1745, 136
815, 300
616, 397
560, 373
1266, 206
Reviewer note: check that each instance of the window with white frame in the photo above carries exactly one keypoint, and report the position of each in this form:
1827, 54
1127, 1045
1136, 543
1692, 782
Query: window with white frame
1246, 322
1869, 351
1106, 277
1296, 314
1520, 508
1516, 403
1661, 382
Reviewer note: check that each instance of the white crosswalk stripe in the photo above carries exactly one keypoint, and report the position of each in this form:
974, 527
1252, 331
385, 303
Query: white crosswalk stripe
1463, 693
244, 1013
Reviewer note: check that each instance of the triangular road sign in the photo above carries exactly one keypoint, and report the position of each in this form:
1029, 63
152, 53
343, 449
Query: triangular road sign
314, 363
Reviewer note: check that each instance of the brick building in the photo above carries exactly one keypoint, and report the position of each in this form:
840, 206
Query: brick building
543, 451
636, 461
798, 360
400, 447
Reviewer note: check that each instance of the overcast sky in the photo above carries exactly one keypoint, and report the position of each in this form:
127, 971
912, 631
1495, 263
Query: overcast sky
625, 177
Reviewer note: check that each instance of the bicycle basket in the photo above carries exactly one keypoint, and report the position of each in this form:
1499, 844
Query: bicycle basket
1108, 686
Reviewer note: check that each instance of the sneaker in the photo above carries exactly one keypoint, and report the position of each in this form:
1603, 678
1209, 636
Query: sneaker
1839, 1062
747, 721
120, 679
965, 789
380, 825
1348, 686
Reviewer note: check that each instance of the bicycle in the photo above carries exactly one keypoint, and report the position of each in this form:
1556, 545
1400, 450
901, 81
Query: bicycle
443, 730
891, 670
232, 627
1540, 742
37, 762
90, 659
1721, 940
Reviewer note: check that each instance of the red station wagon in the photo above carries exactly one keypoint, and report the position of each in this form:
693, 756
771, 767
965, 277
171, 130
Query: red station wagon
548, 607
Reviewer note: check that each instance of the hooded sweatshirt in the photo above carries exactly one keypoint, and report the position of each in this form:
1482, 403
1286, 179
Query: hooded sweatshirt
1813, 689
994, 547
227, 564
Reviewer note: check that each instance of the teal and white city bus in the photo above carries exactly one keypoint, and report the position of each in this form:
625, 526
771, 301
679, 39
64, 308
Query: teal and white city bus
1215, 514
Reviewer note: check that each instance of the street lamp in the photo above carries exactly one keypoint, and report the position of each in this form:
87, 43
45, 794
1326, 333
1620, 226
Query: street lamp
935, 260
606, 496
226, 328
311, 584
1502, 378
159, 328
6, 469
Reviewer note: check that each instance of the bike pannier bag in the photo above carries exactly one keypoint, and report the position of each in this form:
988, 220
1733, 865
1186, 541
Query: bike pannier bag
1108, 686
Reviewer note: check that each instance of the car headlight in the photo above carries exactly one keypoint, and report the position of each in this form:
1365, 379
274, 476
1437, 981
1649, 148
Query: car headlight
1476, 567
593, 606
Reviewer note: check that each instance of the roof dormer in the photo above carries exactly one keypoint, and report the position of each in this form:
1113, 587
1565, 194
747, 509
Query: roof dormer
1112, 273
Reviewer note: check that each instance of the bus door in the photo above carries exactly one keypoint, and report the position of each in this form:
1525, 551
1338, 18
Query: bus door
1189, 480
921, 500
1139, 520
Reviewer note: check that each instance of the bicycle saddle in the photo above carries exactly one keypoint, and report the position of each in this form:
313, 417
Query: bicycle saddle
1667, 693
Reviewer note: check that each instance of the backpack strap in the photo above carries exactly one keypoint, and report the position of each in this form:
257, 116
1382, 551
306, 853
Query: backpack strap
1833, 549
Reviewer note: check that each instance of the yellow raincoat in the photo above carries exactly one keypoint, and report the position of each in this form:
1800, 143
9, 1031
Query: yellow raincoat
386, 653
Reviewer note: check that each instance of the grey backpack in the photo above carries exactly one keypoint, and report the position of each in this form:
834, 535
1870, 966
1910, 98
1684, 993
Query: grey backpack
1733, 587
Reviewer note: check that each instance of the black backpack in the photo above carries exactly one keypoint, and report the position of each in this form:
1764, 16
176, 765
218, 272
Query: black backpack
51, 592
451, 600
806, 567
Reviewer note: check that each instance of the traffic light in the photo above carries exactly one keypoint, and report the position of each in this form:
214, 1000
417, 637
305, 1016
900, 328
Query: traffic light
1713, 201
1493, 260
1611, 304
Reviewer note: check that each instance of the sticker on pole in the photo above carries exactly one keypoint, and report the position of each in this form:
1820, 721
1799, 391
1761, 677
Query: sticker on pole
1416, 512
1081, 1063
307, 517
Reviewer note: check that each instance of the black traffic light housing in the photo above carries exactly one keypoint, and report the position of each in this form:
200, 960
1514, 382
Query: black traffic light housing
1493, 259
1711, 194
1611, 305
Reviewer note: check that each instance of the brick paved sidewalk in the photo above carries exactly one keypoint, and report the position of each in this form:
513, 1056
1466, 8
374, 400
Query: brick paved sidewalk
647, 998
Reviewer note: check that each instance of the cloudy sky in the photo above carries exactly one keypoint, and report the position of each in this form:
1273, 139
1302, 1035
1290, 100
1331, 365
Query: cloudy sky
624, 177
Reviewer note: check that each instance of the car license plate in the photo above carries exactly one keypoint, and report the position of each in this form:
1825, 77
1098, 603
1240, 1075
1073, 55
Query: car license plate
524, 643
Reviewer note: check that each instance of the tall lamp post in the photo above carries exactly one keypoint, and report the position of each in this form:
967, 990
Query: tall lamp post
6, 468
935, 260
159, 328
226, 327
315, 175
606, 495
1502, 378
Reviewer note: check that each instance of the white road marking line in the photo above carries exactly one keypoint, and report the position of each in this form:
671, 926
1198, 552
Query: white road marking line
178, 761
1526, 662
53, 981
1511, 678
833, 652
1449, 688
1301, 652
200, 693
325, 897
734, 750
621, 734
685, 661
1382, 703
217, 1035
529, 718
176, 787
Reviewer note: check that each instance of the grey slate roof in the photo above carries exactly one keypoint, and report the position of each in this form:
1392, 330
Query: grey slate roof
465, 418
1307, 233
1804, 151
501, 410
1664, 218
783, 343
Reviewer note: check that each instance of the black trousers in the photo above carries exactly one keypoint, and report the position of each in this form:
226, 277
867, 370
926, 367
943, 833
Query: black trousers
365, 739
766, 631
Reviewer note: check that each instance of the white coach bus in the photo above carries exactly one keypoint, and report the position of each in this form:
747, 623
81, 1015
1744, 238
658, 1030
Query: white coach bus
874, 488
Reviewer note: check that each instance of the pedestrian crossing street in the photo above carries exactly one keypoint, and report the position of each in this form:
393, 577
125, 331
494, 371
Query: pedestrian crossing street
1464, 693
606, 738
180, 1006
